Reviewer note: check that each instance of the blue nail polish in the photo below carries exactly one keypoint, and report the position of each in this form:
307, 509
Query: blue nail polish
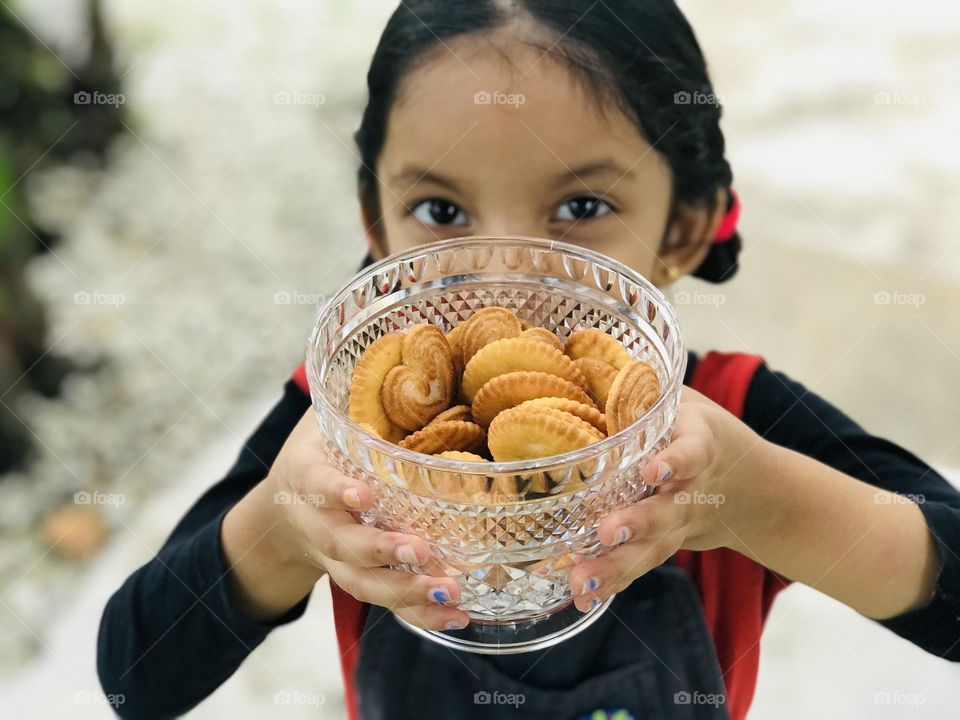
439, 595
592, 584
666, 472
593, 603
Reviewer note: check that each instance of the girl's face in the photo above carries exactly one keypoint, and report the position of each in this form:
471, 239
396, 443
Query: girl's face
482, 142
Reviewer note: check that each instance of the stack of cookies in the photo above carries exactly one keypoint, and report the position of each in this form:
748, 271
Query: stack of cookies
495, 388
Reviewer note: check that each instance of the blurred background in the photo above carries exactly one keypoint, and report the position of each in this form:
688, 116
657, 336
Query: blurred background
177, 194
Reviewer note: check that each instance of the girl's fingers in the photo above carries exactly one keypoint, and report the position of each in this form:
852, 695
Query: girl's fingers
342, 538
395, 589
435, 618
690, 452
601, 577
651, 518
320, 486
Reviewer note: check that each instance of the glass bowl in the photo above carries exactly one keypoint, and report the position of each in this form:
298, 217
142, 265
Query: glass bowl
511, 544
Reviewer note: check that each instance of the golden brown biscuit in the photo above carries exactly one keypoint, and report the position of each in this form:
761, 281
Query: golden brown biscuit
519, 353
591, 342
485, 326
457, 412
581, 410
526, 433
366, 406
599, 375
545, 335
512, 388
448, 435
634, 391
453, 339
423, 384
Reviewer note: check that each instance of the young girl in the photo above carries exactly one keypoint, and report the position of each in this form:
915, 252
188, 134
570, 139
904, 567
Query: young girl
594, 123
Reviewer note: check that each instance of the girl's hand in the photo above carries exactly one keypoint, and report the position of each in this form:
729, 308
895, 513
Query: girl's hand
694, 475
311, 531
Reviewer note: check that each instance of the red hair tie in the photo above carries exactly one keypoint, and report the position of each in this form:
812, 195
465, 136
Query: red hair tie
728, 226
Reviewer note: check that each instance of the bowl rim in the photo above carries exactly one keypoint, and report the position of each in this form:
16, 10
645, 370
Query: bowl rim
473, 467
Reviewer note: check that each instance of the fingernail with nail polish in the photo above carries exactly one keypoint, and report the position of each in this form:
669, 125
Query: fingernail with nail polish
590, 585
622, 535
405, 554
594, 602
455, 625
351, 497
665, 472
439, 594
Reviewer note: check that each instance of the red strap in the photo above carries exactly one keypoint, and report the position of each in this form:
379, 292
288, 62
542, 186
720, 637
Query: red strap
299, 376
735, 591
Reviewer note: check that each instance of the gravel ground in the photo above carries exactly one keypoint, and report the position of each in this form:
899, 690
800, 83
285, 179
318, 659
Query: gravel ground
194, 263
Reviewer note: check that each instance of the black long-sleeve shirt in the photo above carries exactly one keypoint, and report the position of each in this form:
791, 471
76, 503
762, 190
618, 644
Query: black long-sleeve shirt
173, 632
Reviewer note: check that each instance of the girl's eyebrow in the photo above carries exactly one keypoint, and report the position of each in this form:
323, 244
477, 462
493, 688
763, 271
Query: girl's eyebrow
411, 176
593, 169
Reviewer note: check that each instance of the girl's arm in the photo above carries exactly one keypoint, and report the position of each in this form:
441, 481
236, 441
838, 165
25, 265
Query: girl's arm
800, 488
175, 631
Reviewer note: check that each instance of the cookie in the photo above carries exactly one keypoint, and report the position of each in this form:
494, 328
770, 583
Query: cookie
457, 412
447, 435
548, 337
526, 433
512, 354
593, 343
366, 406
635, 390
599, 375
574, 407
422, 385
505, 391
486, 326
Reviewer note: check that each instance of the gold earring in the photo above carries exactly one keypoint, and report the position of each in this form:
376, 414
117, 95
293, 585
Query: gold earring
672, 273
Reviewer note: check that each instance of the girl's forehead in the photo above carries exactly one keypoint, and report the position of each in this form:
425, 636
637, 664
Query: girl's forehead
520, 108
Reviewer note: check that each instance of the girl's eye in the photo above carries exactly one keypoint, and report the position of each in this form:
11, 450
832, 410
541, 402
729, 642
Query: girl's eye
582, 207
439, 212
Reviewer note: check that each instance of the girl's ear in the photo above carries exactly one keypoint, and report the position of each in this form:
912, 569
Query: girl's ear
375, 241
688, 239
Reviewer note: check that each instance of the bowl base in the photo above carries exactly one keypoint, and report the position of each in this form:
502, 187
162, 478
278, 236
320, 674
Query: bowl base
515, 637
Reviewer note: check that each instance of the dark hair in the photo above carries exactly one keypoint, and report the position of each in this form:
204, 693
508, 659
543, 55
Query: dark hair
639, 54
